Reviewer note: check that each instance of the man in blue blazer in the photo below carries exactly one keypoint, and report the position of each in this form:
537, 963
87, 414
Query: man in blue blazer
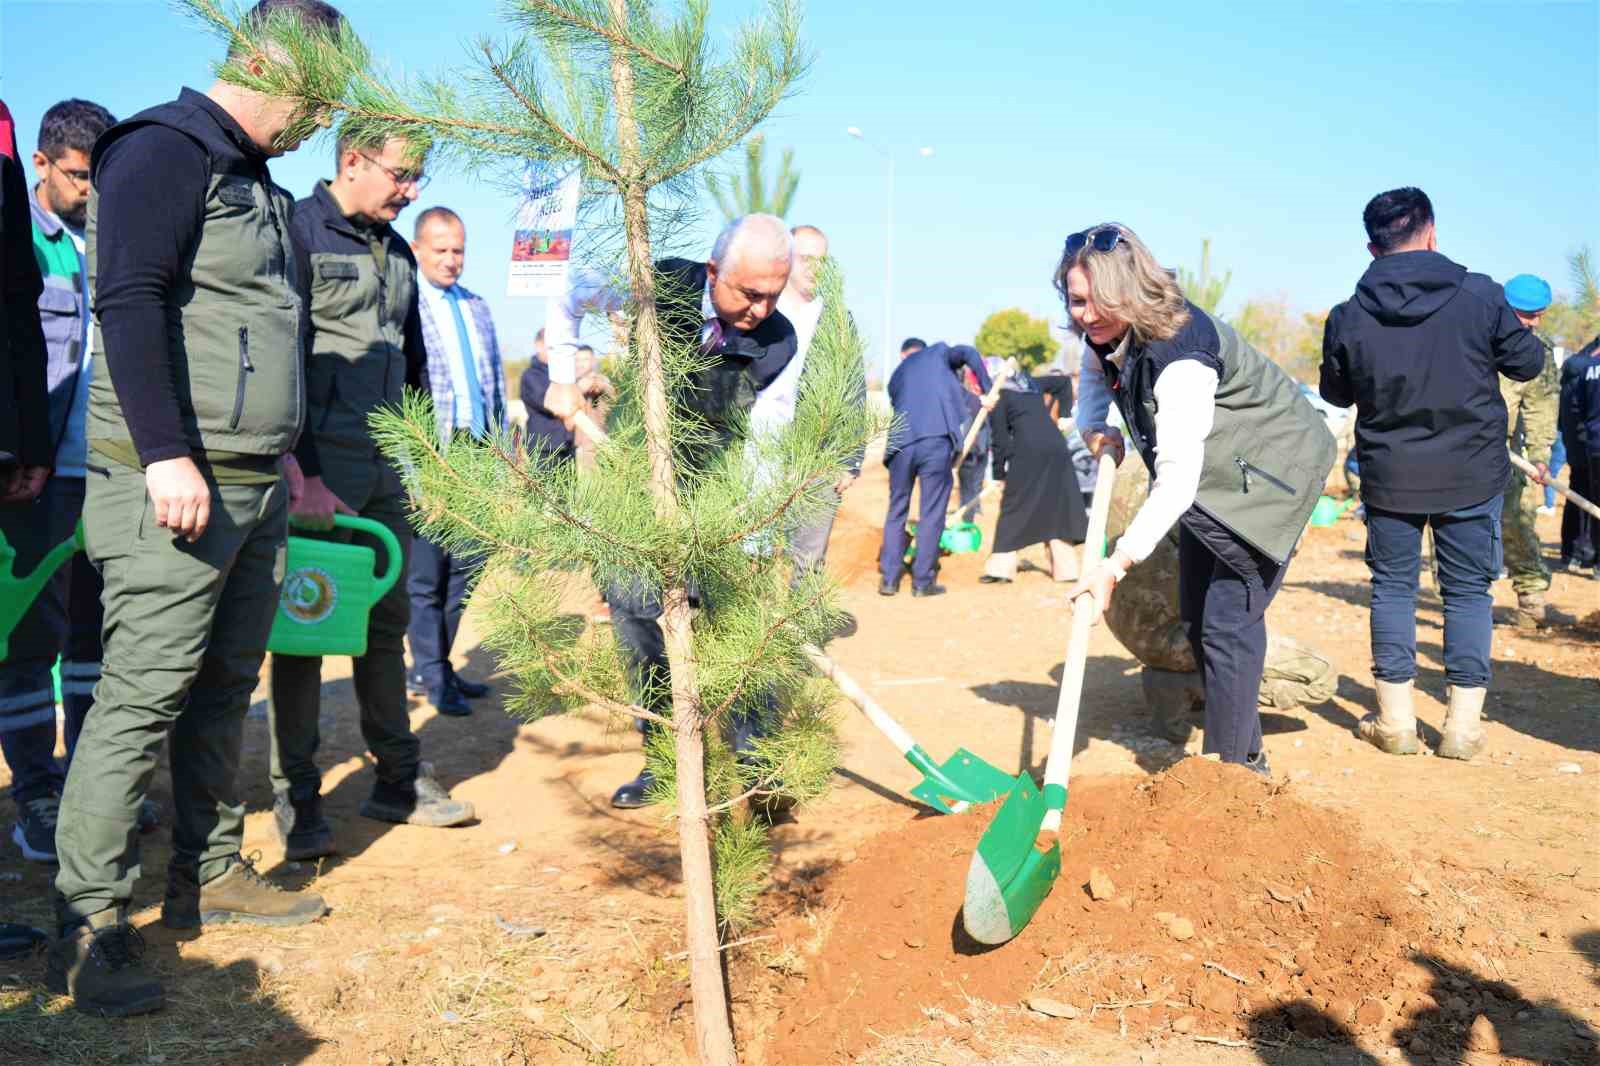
930, 409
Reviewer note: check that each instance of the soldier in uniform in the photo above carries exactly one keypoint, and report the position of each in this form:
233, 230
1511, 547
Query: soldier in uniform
1531, 408
1144, 616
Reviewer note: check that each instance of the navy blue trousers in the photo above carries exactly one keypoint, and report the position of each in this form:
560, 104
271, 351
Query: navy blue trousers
437, 583
1224, 588
926, 461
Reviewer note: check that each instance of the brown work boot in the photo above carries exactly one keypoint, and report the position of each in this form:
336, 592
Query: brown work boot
1463, 735
238, 894
99, 964
1532, 612
1394, 728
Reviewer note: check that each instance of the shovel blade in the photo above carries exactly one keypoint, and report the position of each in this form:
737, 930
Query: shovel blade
1009, 877
963, 778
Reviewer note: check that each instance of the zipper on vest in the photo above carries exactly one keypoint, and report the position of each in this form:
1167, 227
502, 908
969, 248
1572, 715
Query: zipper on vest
245, 367
1247, 468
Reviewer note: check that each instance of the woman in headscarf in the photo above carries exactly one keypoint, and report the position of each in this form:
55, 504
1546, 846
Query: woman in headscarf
1041, 503
1236, 455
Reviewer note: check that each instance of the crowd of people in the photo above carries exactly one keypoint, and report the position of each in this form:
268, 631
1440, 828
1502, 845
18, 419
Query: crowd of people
192, 357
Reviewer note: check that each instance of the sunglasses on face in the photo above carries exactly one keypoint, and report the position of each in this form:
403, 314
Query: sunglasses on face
1101, 239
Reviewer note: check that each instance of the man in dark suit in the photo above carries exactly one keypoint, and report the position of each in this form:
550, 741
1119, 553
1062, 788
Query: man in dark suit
726, 306
930, 410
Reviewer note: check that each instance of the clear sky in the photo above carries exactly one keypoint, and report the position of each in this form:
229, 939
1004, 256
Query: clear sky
1265, 126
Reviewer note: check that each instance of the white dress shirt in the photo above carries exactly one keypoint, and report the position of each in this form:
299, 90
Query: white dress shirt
444, 320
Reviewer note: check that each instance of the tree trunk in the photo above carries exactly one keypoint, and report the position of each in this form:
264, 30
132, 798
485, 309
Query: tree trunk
713, 1027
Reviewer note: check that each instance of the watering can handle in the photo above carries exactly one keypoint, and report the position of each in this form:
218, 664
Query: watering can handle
1059, 766
391, 546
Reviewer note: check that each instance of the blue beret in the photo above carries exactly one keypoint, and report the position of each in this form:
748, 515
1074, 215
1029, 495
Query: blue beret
1525, 292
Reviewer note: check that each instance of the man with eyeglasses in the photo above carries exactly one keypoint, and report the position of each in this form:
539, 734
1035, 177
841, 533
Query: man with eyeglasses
366, 346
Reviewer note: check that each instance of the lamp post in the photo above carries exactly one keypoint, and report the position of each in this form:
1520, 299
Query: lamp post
888, 250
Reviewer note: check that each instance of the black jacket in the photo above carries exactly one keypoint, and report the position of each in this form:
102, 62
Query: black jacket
546, 433
1419, 349
24, 401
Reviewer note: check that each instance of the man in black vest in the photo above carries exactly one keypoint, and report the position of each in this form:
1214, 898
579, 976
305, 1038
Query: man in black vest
728, 306
198, 301
1419, 349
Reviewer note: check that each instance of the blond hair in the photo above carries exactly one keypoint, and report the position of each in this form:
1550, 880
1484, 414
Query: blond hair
1129, 285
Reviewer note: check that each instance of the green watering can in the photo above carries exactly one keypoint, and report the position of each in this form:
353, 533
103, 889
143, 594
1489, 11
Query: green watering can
1329, 510
958, 538
18, 593
328, 590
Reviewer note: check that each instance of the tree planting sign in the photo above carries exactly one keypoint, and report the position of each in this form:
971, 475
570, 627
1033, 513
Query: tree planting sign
542, 242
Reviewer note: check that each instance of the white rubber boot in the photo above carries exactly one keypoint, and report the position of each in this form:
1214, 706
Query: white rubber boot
1463, 735
1393, 728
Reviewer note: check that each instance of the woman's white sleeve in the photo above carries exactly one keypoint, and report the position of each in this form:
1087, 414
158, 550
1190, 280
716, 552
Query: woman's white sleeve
587, 290
1186, 394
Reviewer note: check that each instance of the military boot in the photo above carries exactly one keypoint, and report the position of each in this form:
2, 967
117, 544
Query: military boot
238, 894
1173, 699
1532, 611
422, 801
301, 827
1393, 728
1463, 735
99, 963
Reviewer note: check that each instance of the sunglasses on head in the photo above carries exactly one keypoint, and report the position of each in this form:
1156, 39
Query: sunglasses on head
1100, 238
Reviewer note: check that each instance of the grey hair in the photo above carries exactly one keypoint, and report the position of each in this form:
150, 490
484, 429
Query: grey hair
753, 234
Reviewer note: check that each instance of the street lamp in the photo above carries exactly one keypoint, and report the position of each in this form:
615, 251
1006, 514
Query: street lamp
888, 250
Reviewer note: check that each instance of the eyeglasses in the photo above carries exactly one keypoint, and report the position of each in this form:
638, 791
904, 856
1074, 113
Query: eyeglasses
1101, 239
416, 179
77, 177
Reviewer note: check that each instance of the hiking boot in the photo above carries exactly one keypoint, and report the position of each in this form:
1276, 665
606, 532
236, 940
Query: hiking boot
35, 831
302, 829
1532, 612
238, 894
1463, 736
1393, 729
420, 802
99, 964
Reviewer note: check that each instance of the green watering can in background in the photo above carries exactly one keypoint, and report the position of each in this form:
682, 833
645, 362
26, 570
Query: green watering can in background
1329, 510
958, 538
18, 593
329, 588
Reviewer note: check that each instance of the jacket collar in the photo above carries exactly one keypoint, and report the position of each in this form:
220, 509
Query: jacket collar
225, 122
334, 218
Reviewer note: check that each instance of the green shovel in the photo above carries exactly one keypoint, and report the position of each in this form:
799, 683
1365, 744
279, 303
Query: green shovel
1013, 872
18, 593
949, 787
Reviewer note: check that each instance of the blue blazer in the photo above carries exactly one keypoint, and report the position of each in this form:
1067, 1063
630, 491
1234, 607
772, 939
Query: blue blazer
928, 397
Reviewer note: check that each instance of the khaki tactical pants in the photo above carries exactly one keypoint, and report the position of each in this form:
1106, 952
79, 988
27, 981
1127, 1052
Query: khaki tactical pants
185, 631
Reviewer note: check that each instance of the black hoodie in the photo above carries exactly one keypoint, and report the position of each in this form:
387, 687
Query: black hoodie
1419, 350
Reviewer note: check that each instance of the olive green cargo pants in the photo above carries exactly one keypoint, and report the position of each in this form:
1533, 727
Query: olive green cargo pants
185, 631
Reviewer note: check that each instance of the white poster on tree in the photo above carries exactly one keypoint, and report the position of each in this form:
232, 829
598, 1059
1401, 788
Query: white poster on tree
542, 243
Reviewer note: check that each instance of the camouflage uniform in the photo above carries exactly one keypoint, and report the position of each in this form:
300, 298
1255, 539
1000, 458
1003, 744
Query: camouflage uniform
1144, 616
1531, 430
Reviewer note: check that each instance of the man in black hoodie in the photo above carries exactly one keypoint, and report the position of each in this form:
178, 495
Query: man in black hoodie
1419, 350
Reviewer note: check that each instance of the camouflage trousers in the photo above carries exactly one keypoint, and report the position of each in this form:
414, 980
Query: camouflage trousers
1520, 537
1295, 676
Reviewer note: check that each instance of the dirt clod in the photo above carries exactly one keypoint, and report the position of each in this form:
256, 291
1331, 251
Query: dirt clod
1101, 887
1052, 1008
1482, 1036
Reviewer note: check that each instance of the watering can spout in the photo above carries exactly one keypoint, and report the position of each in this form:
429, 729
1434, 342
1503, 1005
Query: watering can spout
17, 593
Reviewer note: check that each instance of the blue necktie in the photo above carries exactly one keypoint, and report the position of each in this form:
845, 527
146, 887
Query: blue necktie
453, 295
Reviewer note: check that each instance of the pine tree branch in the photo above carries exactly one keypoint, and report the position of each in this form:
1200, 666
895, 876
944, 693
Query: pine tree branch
761, 648
565, 515
544, 118
564, 682
609, 33
762, 523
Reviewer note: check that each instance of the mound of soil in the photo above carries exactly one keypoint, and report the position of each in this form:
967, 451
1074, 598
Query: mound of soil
1216, 896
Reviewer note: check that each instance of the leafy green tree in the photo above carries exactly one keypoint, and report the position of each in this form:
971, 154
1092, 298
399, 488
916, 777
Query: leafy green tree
1573, 320
1205, 290
637, 98
750, 196
1015, 334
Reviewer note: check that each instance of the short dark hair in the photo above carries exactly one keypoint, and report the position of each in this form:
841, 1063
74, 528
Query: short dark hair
312, 14
912, 344
73, 125
438, 211
1392, 218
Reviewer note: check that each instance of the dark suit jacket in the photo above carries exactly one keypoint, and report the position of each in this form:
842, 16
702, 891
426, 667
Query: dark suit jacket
928, 396
24, 399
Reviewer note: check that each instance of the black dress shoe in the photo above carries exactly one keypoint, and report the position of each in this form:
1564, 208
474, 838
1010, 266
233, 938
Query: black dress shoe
634, 794
990, 579
932, 588
19, 940
889, 588
451, 703
472, 690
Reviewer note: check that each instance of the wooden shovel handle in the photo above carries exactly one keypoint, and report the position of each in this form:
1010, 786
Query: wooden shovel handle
1059, 767
591, 429
1528, 468
1006, 370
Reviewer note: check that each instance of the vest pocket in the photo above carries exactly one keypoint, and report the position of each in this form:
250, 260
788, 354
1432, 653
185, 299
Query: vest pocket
245, 368
1248, 471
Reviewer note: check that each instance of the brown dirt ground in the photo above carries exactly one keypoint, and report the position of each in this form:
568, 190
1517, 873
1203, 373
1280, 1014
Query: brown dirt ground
1438, 891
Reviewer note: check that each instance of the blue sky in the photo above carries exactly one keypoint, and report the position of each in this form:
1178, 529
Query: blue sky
1264, 126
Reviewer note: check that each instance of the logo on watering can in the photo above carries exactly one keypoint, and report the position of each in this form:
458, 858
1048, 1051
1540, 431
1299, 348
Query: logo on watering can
309, 595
